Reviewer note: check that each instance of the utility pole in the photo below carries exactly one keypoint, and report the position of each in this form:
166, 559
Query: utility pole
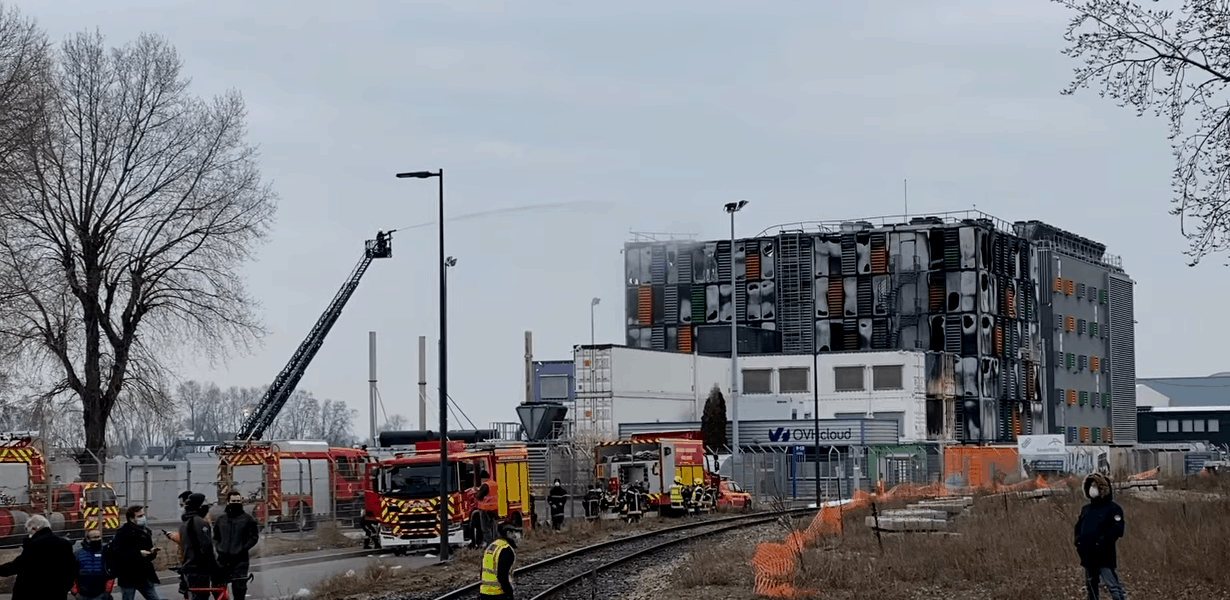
371, 383
732, 208
422, 383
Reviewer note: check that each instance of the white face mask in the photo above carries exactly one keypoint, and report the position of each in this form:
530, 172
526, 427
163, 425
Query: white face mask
1093, 492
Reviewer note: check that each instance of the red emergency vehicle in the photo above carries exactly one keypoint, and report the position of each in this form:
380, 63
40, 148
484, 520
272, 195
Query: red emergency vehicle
24, 490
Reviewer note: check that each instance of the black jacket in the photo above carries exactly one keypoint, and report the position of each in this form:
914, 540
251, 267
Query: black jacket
198, 543
130, 568
233, 538
1099, 526
46, 567
557, 499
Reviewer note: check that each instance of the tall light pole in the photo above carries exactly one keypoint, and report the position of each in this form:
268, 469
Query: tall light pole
593, 362
444, 487
732, 208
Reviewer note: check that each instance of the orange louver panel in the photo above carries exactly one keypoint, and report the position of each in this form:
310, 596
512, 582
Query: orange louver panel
1016, 424
935, 298
685, 340
1071, 396
1084, 434
1059, 284
753, 265
836, 296
1069, 287
1071, 324
1094, 362
1011, 304
644, 305
1107, 435
999, 340
879, 259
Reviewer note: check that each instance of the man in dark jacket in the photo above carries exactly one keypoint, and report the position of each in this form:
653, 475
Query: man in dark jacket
200, 562
132, 556
235, 533
93, 577
46, 567
557, 499
1097, 529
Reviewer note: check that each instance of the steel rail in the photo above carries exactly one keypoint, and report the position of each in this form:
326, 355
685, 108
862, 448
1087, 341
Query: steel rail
754, 518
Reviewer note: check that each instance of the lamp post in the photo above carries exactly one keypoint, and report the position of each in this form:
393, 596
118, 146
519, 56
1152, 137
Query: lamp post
444, 487
593, 363
815, 411
732, 208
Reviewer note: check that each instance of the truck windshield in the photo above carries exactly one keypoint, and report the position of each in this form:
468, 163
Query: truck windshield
414, 481
100, 497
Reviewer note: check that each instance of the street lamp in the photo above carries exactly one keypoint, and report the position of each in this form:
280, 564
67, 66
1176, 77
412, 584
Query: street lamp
593, 363
444, 264
732, 208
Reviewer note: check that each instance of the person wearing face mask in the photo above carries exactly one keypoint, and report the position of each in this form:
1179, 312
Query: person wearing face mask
132, 557
46, 567
498, 562
235, 534
1099, 526
94, 580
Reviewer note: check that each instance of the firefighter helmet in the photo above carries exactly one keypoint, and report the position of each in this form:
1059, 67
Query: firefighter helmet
697, 482
678, 480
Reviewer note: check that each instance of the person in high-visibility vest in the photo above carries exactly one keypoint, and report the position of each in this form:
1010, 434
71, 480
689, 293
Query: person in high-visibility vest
677, 496
482, 521
498, 563
698, 496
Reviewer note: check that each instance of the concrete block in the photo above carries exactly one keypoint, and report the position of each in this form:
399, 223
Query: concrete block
908, 524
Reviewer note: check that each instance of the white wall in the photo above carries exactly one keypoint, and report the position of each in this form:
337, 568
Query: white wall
1147, 396
650, 386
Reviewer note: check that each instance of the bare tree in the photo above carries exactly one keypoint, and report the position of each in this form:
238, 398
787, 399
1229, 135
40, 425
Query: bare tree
1177, 64
123, 225
395, 422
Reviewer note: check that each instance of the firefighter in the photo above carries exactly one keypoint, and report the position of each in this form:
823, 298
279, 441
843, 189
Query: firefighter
498, 563
676, 493
482, 522
371, 530
698, 496
557, 499
593, 500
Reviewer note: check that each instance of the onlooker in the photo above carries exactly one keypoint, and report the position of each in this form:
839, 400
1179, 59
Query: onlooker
94, 579
46, 567
235, 533
1098, 528
132, 556
200, 563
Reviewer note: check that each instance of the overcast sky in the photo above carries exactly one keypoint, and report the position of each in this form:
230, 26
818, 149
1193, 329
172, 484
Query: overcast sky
642, 116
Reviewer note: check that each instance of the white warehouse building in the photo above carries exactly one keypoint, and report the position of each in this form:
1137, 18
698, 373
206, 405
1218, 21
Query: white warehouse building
617, 385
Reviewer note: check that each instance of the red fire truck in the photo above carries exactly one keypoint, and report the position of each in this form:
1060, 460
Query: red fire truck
404, 491
24, 490
652, 462
293, 482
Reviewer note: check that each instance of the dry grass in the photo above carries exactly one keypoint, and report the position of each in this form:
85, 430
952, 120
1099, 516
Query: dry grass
1015, 550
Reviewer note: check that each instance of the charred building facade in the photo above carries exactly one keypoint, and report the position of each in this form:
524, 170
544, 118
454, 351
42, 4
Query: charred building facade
968, 289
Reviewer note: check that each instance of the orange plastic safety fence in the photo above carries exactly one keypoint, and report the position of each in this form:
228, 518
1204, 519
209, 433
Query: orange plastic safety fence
775, 564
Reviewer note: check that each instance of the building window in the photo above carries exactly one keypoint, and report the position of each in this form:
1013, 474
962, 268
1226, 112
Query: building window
1173, 426
1093, 294
757, 381
794, 414
848, 379
794, 380
1058, 322
1084, 362
1187, 425
553, 387
1102, 297
1093, 328
1214, 426
1080, 326
1080, 291
1161, 426
1071, 362
886, 377
1198, 424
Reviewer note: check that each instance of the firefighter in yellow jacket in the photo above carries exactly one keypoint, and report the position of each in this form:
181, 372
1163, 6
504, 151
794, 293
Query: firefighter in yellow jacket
676, 491
498, 563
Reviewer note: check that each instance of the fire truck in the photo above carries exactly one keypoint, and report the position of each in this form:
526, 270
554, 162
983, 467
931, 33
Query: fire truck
652, 462
404, 491
293, 482
25, 490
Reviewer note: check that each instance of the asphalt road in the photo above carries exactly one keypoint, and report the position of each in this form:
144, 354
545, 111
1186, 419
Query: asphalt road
282, 581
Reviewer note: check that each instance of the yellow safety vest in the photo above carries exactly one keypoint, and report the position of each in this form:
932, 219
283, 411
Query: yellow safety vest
491, 569
676, 495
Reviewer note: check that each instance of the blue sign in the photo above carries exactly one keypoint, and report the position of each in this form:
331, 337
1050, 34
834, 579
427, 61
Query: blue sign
800, 451
783, 434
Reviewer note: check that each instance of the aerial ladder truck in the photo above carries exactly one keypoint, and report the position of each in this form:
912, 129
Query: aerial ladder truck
290, 482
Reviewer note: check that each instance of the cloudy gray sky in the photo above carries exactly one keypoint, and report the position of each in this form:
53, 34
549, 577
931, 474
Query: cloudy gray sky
653, 114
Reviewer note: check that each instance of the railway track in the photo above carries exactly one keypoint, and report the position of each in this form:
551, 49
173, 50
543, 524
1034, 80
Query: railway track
557, 576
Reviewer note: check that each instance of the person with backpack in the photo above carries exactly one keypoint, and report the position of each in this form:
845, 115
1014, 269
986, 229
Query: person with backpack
94, 578
200, 563
131, 556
